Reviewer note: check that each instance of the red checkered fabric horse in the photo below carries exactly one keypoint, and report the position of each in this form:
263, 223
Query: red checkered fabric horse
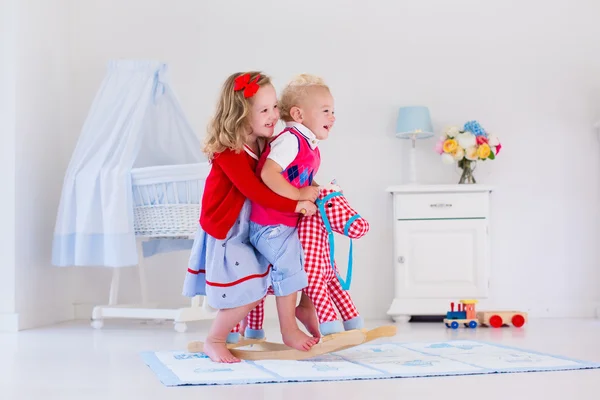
324, 288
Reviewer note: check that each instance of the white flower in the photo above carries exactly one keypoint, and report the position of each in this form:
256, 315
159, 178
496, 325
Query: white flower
452, 131
493, 140
447, 158
466, 140
471, 153
459, 154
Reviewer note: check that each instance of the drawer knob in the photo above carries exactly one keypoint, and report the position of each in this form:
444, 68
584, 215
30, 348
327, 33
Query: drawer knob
440, 205
401, 259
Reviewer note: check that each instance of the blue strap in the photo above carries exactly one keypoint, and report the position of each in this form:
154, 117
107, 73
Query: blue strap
346, 284
321, 204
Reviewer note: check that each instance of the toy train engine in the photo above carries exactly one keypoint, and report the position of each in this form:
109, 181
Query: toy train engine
465, 314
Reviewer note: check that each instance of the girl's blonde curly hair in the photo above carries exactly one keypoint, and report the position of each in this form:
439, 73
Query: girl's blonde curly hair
229, 125
295, 91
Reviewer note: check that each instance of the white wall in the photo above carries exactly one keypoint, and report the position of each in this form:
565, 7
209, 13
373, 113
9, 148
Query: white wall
44, 293
527, 70
8, 318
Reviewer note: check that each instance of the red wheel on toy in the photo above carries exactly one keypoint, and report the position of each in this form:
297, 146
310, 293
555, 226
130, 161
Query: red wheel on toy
518, 320
496, 321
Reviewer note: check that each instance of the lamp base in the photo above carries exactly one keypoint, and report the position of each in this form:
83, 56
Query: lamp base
412, 163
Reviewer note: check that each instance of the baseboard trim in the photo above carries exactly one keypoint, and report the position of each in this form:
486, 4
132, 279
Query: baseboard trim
9, 322
566, 309
83, 310
31, 319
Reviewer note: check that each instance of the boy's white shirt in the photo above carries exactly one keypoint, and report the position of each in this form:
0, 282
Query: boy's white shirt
284, 148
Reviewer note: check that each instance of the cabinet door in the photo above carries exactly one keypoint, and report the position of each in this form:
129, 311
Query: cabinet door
442, 258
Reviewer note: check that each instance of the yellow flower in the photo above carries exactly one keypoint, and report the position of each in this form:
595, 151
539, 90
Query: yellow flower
450, 145
483, 151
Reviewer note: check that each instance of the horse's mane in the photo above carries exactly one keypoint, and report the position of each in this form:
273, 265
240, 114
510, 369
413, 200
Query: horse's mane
331, 186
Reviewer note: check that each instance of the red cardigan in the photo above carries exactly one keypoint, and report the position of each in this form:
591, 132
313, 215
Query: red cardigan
231, 180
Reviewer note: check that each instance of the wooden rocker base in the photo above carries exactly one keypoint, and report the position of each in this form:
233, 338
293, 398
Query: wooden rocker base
376, 333
279, 351
198, 347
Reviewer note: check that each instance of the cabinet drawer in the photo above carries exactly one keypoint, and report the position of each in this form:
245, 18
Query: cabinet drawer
440, 205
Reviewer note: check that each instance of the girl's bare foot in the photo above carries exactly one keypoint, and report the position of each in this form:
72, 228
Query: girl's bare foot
307, 315
298, 340
217, 351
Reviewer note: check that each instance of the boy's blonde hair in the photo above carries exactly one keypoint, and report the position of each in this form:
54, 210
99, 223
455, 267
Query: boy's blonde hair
295, 91
229, 125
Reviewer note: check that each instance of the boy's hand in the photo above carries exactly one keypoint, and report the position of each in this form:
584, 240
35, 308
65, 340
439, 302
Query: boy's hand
309, 193
306, 208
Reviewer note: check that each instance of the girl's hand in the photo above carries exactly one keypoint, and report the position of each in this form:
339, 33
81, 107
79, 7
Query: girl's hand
306, 208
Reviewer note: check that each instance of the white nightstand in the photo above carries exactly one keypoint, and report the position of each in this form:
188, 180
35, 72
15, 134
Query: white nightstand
441, 247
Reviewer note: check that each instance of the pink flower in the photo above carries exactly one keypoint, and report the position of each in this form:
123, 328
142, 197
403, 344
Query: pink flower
439, 147
498, 147
481, 140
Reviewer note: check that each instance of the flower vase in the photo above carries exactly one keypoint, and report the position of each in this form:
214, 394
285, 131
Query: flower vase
467, 166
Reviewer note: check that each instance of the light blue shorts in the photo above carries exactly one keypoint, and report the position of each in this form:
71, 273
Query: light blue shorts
281, 246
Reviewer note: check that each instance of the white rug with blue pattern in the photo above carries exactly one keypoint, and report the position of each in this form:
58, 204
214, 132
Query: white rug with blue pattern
369, 361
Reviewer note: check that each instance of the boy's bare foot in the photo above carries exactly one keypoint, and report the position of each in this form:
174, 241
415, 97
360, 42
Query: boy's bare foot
298, 340
243, 326
307, 315
217, 351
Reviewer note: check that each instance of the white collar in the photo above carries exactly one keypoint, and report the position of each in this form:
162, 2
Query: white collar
250, 152
307, 133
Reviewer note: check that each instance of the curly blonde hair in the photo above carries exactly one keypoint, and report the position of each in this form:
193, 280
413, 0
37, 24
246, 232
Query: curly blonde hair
295, 91
229, 124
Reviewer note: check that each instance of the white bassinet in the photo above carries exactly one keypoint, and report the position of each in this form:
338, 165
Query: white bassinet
134, 182
166, 205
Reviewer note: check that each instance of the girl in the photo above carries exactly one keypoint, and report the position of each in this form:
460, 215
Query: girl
223, 265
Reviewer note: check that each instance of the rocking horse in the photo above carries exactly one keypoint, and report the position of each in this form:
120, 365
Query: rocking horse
325, 289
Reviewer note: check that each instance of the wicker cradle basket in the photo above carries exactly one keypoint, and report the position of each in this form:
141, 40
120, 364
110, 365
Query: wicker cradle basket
166, 199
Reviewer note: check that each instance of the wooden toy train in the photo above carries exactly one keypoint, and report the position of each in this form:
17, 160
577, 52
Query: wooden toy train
467, 316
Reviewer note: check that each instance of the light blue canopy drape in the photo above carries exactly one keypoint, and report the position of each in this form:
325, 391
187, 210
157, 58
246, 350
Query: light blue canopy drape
135, 121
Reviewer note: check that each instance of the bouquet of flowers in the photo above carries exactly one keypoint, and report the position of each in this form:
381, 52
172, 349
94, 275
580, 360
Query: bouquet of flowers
466, 146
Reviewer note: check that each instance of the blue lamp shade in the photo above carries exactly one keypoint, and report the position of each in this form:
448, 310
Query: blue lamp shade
414, 122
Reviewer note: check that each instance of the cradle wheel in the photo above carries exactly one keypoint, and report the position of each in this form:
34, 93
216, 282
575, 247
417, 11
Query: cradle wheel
180, 327
97, 323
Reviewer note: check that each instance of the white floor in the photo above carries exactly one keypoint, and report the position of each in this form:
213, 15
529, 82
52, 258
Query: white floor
73, 361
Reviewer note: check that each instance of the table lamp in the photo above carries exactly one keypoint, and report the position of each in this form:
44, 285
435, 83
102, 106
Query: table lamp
413, 123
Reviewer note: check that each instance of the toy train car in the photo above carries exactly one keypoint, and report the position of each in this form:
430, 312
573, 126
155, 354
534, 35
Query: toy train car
496, 319
467, 316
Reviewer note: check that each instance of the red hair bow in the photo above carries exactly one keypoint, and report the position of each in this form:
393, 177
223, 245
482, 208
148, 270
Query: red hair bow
243, 82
